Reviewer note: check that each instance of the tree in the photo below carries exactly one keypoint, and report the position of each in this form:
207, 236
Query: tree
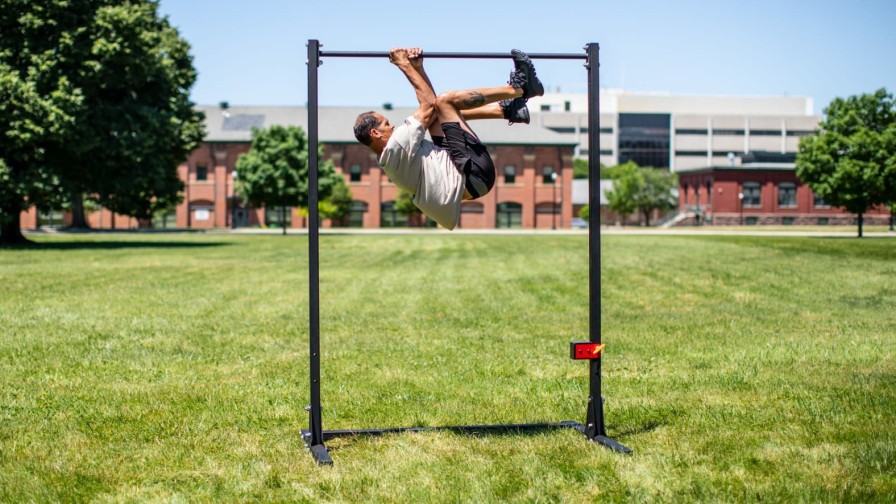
95, 101
404, 204
627, 181
585, 213
851, 163
580, 169
655, 192
137, 123
274, 173
36, 111
339, 205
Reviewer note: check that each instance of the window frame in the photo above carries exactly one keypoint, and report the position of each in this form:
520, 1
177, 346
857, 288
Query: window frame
748, 203
787, 188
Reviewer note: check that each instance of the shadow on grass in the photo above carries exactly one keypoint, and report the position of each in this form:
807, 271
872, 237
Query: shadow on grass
648, 426
336, 440
869, 247
113, 245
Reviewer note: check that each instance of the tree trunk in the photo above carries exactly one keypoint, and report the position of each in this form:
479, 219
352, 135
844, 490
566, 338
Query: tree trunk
647, 218
861, 221
892, 215
11, 232
283, 219
79, 220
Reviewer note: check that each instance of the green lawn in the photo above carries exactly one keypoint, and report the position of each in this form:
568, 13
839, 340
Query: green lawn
153, 367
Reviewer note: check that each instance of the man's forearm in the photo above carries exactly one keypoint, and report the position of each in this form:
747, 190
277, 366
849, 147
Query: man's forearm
420, 81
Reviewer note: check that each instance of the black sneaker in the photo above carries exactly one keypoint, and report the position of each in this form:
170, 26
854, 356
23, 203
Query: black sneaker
524, 76
515, 110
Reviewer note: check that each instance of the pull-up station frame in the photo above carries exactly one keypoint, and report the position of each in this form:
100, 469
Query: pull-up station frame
590, 350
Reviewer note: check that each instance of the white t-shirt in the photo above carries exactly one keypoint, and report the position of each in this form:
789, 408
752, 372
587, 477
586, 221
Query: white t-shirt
417, 165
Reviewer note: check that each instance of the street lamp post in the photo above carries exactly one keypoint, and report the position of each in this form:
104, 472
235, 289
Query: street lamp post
233, 201
740, 198
554, 201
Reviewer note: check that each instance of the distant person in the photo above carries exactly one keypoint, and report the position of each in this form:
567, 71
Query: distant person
455, 165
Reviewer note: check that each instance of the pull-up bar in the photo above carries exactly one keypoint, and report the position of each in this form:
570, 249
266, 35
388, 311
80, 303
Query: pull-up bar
459, 55
593, 428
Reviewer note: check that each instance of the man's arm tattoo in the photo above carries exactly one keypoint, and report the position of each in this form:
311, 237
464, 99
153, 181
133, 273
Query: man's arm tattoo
475, 99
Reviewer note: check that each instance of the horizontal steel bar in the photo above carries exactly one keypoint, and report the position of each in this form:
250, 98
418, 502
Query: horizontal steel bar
458, 429
459, 55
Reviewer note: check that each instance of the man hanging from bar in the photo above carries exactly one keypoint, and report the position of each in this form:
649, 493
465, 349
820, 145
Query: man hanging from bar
455, 165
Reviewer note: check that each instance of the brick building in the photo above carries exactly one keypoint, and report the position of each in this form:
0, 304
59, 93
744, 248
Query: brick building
721, 147
753, 189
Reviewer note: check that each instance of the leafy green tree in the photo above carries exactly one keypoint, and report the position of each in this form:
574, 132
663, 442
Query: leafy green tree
98, 92
627, 182
585, 213
274, 173
580, 169
655, 192
851, 163
137, 122
338, 206
404, 204
36, 110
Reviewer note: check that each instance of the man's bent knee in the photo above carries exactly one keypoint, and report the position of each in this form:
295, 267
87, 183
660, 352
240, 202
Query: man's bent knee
462, 100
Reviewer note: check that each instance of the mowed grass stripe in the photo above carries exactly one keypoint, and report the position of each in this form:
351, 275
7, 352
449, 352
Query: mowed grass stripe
163, 367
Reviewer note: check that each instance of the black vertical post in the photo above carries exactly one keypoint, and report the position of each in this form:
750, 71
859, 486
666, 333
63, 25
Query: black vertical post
595, 418
595, 429
314, 436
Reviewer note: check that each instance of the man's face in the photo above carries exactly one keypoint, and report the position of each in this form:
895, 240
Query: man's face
384, 128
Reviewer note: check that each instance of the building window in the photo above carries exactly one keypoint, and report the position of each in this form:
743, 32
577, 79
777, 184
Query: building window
509, 215
603, 152
472, 208
545, 107
758, 132
390, 217
356, 214
728, 132
547, 175
354, 173
752, 195
691, 153
819, 202
787, 195
201, 173
752, 221
691, 131
49, 218
510, 174
799, 133
644, 139
163, 219
787, 221
278, 216
567, 106
602, 130
822, 221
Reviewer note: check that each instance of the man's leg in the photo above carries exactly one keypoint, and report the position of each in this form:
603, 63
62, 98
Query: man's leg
513, 110
449, 106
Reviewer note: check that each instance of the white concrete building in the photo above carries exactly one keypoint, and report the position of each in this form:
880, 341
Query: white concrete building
680, 132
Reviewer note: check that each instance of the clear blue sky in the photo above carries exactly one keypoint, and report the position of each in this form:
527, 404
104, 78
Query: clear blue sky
253, 53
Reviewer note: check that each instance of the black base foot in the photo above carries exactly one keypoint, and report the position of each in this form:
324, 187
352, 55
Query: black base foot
318, 451
612, 444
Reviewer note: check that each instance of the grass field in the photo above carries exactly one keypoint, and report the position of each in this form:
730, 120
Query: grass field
174, 368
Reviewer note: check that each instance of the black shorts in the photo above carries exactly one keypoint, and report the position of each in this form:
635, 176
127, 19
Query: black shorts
470, 157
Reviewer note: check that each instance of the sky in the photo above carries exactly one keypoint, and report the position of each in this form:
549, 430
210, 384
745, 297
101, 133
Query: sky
254, 52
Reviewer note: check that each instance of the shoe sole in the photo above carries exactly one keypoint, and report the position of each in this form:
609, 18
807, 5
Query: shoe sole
521, 61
